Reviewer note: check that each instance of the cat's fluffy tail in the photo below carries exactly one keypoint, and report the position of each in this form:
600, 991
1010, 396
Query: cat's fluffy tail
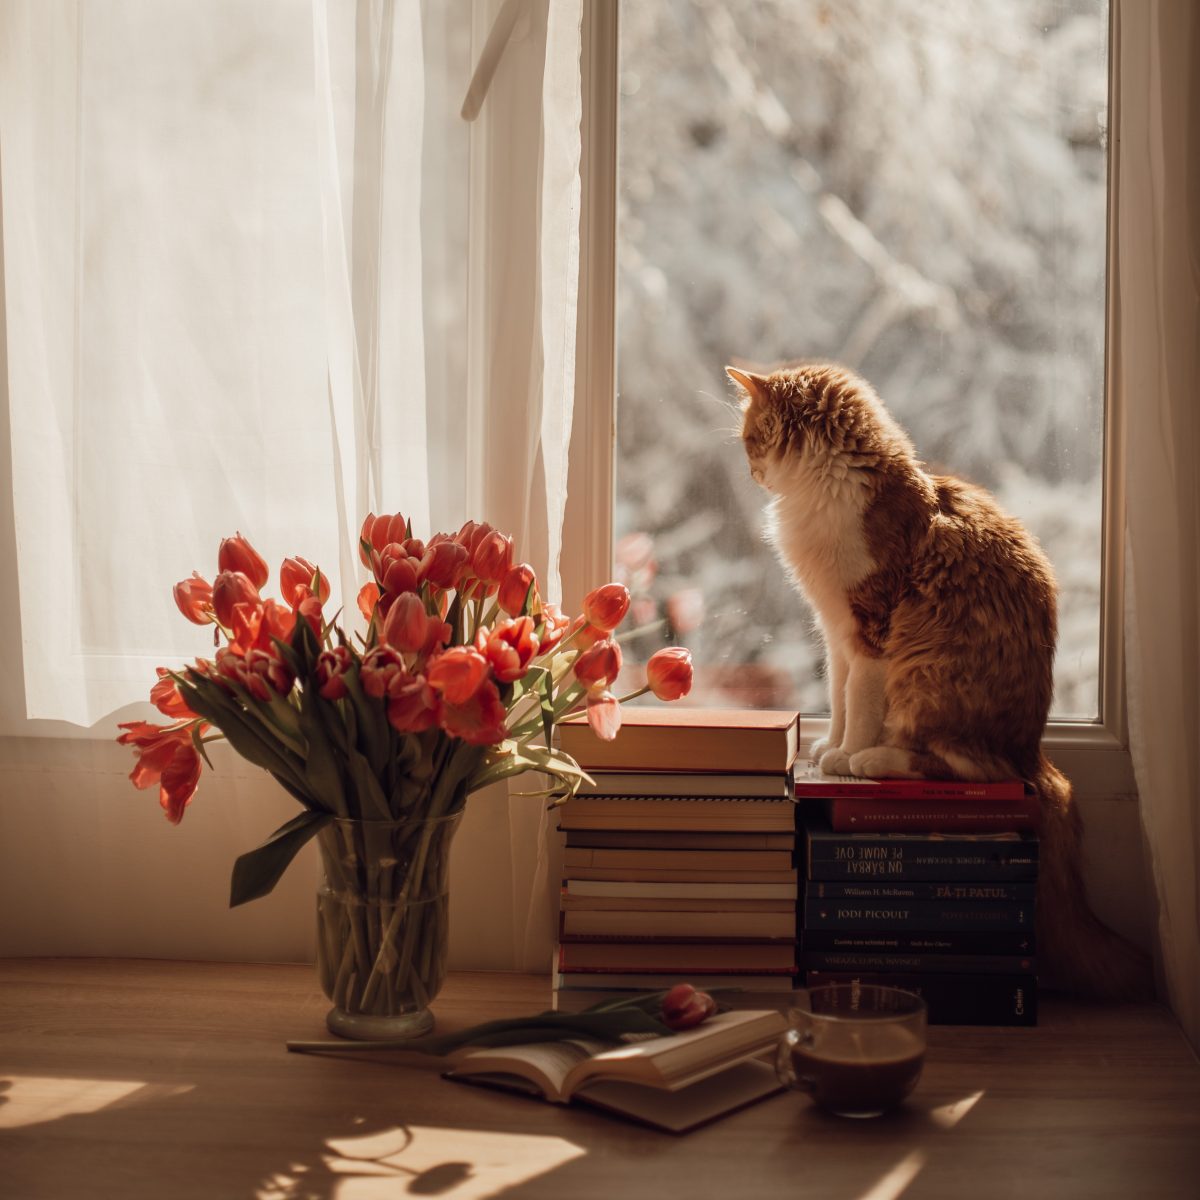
1077, 952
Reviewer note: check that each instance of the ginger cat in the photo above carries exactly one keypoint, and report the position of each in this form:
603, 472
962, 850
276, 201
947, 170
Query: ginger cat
939, 618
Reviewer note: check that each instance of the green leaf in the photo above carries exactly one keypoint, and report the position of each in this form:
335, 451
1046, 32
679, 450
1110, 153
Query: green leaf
367, 786
241, 730
546, 703
373, 731
256, 872
199, 745
321, 773
607, 1024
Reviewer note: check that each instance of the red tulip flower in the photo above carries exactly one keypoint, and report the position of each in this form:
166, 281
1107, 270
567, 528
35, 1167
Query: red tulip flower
683, 1007
368, 598
514, 588
382, 671
180, 778
457, 673
444, 563
605, 607
194, 598
260, 673
480, 720
379, 532
331, 669
167, 757
278, 623
604, 715
492, 558
166, 697
231, 588
297, 577
599, 665
552, 627
236, 554
669, 673
395, 568
412, 704
509, 648
246, 626
406, 623
584, 634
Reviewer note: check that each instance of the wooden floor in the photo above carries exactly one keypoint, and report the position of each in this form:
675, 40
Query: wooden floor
154, 1079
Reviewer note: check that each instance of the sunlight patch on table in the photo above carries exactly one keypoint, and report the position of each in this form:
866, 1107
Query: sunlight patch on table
454, 1164
897, 1179
949, 1115
36, 1099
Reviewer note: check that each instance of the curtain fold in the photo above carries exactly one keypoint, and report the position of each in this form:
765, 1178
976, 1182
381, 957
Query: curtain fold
1158, 364
524, 266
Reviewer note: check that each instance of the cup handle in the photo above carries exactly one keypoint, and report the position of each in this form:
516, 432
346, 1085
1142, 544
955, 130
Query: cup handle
785, 1071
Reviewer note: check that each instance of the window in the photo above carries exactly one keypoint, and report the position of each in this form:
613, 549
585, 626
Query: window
923, 198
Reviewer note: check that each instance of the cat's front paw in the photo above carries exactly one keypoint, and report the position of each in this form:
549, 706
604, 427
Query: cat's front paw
817, 749
835, 762
883, 762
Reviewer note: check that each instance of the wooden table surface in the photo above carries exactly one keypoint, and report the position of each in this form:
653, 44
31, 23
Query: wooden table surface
155, 1079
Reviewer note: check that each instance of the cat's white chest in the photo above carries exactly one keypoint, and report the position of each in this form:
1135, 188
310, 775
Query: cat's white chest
817, 532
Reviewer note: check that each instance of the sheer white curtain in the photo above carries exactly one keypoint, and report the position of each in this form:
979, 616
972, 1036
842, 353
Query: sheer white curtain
1158, 365
259, 274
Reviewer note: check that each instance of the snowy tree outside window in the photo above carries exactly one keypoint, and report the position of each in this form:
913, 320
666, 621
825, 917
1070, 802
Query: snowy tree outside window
916, 189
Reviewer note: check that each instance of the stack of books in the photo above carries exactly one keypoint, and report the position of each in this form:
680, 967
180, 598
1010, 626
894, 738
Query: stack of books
680, 860
923, 885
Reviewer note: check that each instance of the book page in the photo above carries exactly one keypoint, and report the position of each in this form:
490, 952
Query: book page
665, 1062
545, 1064
678, 1112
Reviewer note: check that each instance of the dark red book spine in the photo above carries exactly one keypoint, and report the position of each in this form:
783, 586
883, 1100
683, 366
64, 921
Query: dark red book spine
813, 786
850, 814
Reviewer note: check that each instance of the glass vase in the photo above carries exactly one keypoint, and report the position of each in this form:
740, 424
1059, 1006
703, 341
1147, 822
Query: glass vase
382, 923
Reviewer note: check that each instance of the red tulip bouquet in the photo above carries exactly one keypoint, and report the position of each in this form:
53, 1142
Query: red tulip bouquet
457, 684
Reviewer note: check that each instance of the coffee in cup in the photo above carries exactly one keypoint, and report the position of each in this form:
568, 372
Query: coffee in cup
857, 1049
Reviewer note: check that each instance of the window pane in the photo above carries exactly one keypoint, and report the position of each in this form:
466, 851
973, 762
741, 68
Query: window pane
913, 188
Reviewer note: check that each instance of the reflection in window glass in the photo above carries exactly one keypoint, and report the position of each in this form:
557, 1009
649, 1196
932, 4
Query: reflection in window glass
915, 189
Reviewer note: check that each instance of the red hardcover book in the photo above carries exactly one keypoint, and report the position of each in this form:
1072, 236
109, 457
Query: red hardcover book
850, 814
812, 785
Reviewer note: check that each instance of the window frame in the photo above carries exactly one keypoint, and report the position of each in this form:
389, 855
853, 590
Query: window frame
1094, 754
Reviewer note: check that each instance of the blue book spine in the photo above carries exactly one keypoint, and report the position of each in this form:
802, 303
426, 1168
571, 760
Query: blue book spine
916, 914
923, 941
1018, 893
954, 999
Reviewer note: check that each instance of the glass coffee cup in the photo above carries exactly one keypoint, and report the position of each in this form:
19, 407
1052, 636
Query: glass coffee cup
857, 1049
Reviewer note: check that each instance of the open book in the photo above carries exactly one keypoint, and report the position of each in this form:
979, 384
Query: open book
673, 1083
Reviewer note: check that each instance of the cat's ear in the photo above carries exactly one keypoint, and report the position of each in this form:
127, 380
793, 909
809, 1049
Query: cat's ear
753, 385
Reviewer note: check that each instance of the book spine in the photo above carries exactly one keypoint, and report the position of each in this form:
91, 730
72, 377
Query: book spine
1021, 893
654, 839
938, 964
724, 957
894, 857
954, 999
919, 941
660, 889
817, 787
656, 875
676, 974
916, 914
681, 927
850, 814
700, 860
945, 868
641, 749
